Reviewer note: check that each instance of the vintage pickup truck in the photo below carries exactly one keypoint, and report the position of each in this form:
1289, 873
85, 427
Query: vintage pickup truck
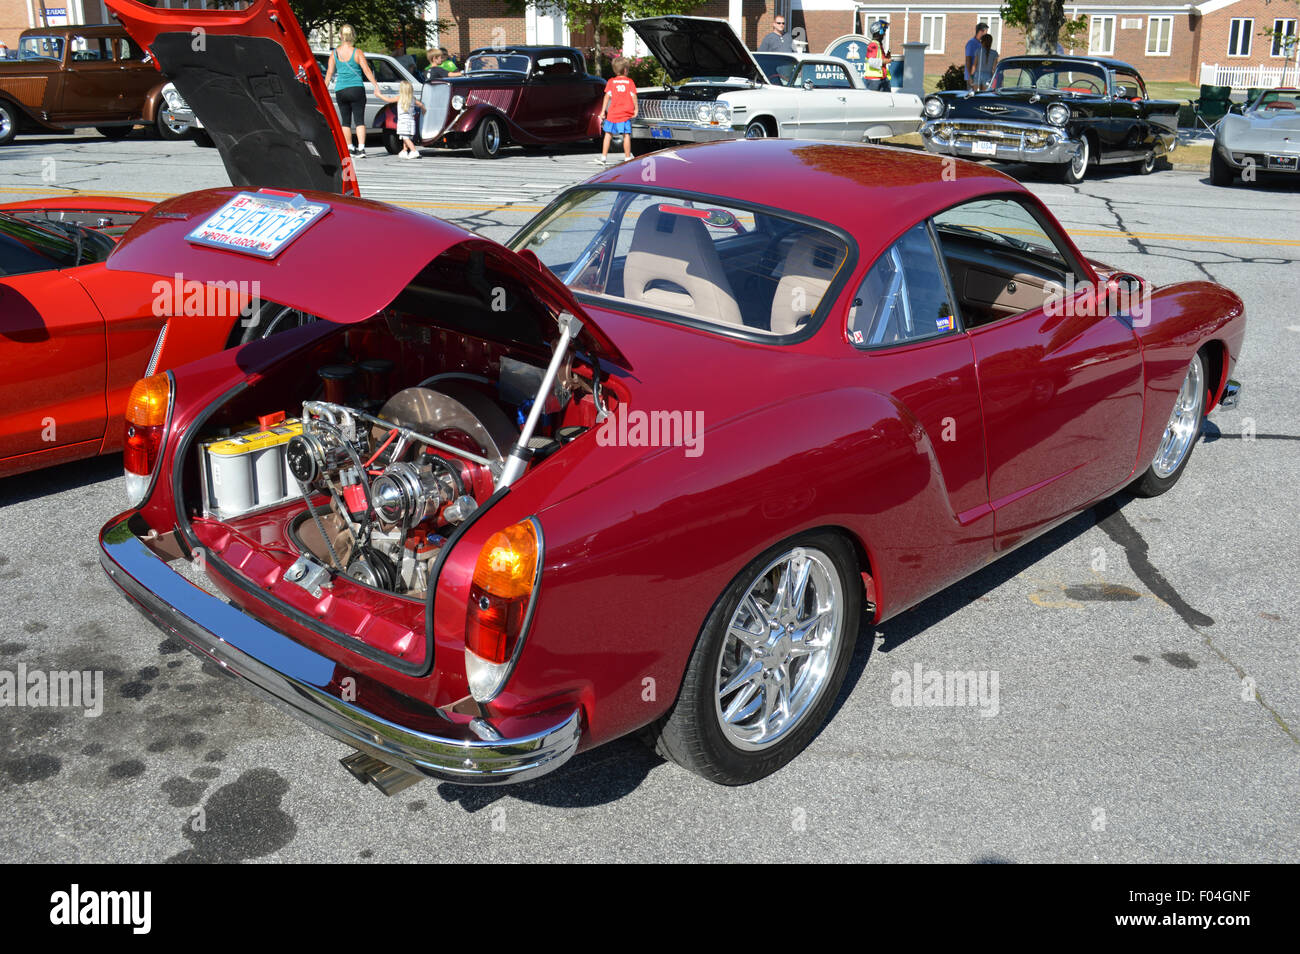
64, 77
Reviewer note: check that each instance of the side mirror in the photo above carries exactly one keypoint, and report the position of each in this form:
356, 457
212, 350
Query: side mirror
1129, 297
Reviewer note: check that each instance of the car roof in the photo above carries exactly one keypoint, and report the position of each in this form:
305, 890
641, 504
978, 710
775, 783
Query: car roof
1103, 61
851, 186
74, 30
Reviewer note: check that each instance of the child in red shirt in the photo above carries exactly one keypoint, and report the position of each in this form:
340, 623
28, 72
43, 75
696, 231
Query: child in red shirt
618, 109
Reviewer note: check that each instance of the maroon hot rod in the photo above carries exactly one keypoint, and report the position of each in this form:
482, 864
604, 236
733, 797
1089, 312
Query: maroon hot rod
649, 467
520, 95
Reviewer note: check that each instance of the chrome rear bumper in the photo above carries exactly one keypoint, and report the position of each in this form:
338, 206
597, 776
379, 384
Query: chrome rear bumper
396, 729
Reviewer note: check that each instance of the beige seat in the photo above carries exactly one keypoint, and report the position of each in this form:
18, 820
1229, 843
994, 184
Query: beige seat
672, 264
810, 265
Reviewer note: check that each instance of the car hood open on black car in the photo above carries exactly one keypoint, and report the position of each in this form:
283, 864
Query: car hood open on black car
697, 46
251, 78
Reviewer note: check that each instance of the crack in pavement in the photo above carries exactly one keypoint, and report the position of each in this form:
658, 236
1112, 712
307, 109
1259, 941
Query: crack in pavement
1111, 520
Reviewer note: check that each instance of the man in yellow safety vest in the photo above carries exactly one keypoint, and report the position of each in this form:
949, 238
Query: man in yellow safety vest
876, 74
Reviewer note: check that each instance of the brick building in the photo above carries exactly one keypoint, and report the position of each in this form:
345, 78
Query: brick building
1164, 39
1216, 41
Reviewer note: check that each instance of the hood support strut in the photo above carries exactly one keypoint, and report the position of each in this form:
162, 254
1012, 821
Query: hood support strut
519, 456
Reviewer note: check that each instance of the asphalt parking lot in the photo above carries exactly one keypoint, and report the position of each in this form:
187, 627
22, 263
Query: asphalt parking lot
1145, 653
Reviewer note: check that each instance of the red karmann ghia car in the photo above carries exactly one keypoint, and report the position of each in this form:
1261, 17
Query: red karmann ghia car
74, 336
649, 468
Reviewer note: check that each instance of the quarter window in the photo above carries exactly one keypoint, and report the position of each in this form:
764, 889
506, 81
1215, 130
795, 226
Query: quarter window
1101, 36
1160, 32
1239, 31
903, 298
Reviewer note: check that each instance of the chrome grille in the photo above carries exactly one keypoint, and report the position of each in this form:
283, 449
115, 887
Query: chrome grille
667, 110
436, 97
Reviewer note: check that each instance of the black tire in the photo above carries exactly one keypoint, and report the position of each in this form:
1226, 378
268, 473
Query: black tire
392, 142
8, 123
203, 138
1221, 174
170, 131
1073, 172
488, 139
1158, 479
114, 132
692, 734
643, 147
1147, 165
756, 130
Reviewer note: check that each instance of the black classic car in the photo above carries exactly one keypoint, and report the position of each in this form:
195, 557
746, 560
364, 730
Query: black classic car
526, 95
1063, 111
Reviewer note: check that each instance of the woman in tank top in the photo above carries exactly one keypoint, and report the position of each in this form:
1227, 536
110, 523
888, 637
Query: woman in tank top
349, 65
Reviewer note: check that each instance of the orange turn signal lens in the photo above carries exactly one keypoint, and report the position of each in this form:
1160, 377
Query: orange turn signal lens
147, 405
507, 564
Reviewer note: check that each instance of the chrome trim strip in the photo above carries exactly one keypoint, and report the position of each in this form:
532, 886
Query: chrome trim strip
303, 682
157, 350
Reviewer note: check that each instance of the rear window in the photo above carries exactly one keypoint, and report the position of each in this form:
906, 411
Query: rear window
711, 263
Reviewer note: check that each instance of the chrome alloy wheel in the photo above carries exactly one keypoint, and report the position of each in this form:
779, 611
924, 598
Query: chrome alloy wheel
779, 648
1184, 422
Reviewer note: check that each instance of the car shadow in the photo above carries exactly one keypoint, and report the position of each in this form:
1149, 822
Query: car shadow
617, 768
47, 481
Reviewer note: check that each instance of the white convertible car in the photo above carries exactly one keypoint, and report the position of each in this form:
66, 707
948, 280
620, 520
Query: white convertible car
722, 91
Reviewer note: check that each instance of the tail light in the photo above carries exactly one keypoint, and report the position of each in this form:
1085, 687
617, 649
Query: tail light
500, 605
146, 419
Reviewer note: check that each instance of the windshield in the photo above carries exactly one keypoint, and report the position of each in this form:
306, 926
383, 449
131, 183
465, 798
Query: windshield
497, 63
1279, 99
707, 262
1050, 75
40, 48
778, 68
28, 246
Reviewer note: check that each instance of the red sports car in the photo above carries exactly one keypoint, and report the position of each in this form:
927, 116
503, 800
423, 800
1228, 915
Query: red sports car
649, 467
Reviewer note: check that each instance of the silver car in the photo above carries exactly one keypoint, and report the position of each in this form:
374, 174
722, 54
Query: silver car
1263, 137
388, 74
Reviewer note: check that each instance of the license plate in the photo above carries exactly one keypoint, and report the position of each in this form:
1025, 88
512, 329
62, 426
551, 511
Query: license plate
1285, 163
261, 224
660, 132
981, 148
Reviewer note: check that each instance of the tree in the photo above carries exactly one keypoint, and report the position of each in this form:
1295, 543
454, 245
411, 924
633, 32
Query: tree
1044, 23
398, 21
603, 20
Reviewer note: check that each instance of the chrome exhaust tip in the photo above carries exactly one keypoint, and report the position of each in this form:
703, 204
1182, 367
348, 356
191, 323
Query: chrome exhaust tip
389, 779
1231, 394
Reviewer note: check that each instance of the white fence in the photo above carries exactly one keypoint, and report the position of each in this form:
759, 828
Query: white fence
1245, 77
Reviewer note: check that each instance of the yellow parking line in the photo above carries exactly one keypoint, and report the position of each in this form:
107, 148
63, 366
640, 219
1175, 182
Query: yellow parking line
532, 209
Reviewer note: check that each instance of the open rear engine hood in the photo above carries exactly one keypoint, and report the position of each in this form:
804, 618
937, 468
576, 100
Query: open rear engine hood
251, 78
429, 267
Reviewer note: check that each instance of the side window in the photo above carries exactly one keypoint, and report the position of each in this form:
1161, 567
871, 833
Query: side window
1129, 86
904, 297
94, 49
825, 76
1002, 259
384, 72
